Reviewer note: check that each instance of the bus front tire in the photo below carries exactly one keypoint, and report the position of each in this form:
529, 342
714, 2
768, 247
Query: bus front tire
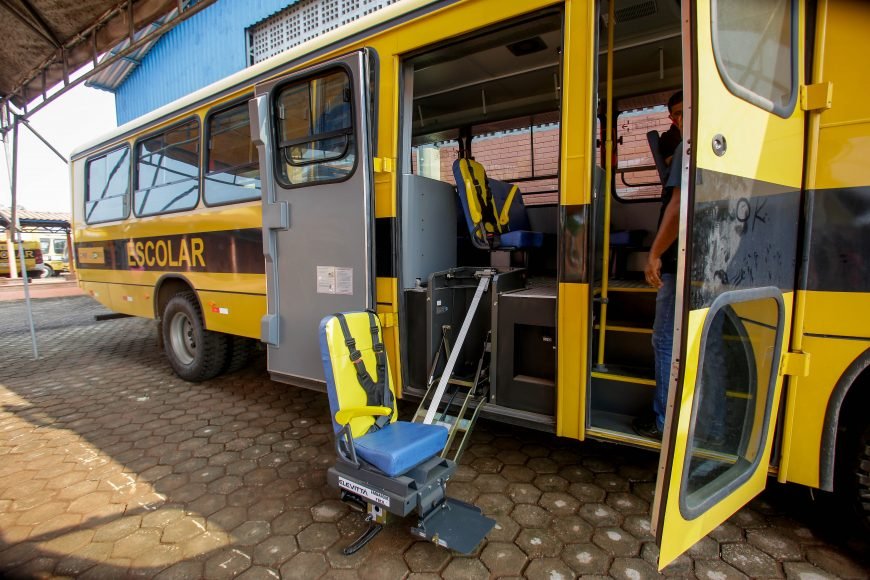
41, 271
195, 354
862, 479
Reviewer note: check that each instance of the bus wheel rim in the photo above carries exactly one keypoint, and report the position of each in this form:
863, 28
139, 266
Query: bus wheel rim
182, 339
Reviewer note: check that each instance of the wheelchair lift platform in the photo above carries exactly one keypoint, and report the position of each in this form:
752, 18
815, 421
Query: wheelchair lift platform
402, 467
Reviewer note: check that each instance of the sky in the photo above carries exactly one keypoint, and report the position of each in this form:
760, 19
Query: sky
75, 118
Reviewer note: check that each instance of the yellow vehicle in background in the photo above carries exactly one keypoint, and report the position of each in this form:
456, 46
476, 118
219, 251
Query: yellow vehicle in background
33, 260
55, 254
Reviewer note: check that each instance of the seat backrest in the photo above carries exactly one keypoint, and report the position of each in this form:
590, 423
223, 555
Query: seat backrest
491, 206
653, 139
475, 196
512, 214
342, 384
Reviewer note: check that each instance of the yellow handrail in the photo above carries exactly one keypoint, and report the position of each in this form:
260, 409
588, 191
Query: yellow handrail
608, 184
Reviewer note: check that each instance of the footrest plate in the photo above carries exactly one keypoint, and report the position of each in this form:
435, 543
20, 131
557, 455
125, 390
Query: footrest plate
456, 525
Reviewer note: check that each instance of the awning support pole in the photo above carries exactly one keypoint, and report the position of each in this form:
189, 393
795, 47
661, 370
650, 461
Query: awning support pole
17, 230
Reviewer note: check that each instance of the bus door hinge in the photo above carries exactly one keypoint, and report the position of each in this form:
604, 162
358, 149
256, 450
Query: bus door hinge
796, 364
817, 97
383, 164
388, 319
277, 216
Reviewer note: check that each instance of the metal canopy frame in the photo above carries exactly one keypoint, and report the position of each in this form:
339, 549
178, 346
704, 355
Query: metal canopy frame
112, 28
37, 88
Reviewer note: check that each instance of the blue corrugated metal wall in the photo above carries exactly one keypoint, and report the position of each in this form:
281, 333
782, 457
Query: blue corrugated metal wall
197, 52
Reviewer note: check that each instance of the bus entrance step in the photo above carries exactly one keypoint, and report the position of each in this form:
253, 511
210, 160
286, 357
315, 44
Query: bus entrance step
456, 525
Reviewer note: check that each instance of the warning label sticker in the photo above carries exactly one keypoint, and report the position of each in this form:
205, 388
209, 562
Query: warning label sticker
364, 491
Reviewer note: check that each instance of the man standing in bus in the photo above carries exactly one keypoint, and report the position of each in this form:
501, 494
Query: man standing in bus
670, 139
661, 271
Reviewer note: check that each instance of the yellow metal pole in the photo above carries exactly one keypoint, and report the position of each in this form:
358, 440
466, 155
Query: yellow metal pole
800, 303
608, 181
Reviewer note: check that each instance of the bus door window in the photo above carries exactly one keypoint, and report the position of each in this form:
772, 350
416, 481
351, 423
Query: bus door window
315, 130
733, 393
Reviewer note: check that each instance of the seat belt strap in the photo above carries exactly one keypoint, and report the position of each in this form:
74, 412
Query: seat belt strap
504, 218
375, 391
484, 200
383, 384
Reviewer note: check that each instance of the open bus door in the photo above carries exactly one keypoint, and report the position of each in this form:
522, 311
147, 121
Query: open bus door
313, 137
738, 247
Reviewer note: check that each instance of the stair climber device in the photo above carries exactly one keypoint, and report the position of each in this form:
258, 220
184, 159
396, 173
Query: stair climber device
387, 467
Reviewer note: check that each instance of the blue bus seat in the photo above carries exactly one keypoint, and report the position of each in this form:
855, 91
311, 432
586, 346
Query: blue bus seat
366, 418
494, 211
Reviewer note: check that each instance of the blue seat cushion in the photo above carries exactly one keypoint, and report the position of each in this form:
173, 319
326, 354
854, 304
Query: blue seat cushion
521, 239
400, 446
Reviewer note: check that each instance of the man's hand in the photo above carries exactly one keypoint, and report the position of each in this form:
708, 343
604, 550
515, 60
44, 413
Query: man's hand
652, 271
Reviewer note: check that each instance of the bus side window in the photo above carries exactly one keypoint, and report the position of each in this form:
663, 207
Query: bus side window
231, 160
315, 130
107, 187
168, 170
60, 248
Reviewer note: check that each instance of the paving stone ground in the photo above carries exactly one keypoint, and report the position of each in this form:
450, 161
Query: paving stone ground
110, 466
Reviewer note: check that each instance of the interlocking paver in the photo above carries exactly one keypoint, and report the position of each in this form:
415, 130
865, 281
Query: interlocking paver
558, 503
548, 569
112, 467
227, 563
836, 563
426, 557
681, 567
523, 493
465, 569
632, 569
715, 570
538, 543
304, 565
586, 559
275, 550
599, 514
183, 529
502, 558
317, 536
750, 560
616, 541
251, 533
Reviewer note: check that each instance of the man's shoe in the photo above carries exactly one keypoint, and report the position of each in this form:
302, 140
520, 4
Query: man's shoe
646, 427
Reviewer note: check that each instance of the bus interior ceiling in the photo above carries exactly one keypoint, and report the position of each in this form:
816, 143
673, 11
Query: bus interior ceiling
503, 88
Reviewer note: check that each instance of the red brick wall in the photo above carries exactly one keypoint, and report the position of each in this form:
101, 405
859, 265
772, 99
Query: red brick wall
509, 157
634, 151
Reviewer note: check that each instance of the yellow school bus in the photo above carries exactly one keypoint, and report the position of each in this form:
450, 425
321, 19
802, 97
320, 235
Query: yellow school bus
320, 181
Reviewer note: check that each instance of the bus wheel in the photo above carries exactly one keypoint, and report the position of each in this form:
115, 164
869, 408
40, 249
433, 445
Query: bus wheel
43, 271
240, 349
196, 354
862, 476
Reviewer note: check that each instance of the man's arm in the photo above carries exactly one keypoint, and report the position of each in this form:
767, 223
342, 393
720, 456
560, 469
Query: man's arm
665, 236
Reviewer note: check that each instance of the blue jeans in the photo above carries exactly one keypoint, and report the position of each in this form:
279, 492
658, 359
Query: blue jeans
663, 344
